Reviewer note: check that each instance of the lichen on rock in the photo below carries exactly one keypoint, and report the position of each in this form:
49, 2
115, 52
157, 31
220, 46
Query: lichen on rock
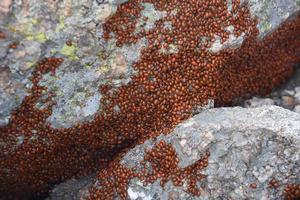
99, 78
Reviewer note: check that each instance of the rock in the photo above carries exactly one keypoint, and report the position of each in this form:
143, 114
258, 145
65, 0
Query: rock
74, 189
288, 102
288, 93
297, 109
297, 90
77, 21
4, 6
83, 79
297, 95
82, 21
272, 13
249, 149
258, 102
246, 146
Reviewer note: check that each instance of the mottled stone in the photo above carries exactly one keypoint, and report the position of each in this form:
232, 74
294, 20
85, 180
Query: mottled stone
258, 102
42, 28
271, 13
233, 41
288, 101
89, 60
297, 109
4, 6
248, 146
74, 189
297, 95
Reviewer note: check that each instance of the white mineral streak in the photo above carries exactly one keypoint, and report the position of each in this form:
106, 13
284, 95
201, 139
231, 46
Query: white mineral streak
232, 42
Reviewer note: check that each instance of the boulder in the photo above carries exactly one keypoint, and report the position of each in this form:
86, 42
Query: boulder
84, 81
254, 154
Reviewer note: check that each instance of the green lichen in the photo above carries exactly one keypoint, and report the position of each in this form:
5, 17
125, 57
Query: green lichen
173, 48
70, 52
30, 64
104, 69
26, 29
265, 27
88, 66
41, 37
61, 25
53, 51
35, 21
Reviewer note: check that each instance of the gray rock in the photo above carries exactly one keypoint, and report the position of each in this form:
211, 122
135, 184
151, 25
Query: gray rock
73, 189
297, 95
288, 93
288, 102
41, 29
271, 13
247, 146
256, 102
297, 109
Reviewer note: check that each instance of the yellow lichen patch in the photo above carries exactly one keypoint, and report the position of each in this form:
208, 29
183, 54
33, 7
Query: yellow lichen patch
70, 52
26, 29
104, 69
53, 51
61, 25
41, 37
29, 64
35, 21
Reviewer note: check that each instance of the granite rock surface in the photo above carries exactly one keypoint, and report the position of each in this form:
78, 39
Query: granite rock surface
249, 149
72, 29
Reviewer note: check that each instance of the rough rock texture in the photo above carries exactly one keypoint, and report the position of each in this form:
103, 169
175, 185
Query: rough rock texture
72, 189
68, 29
249, 149
82, 81
286, 96
42, 28
137, 189
271, 13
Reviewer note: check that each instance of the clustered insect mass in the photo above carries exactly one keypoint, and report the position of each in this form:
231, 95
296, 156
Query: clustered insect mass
165, 91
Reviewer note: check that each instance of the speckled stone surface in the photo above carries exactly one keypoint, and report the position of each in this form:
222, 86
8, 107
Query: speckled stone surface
286, 96
72, 29
247, 146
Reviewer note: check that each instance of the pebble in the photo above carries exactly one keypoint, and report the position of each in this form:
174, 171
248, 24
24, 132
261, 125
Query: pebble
297, 89
297, 109
288, 93
258, 102
297, 95
288, 102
